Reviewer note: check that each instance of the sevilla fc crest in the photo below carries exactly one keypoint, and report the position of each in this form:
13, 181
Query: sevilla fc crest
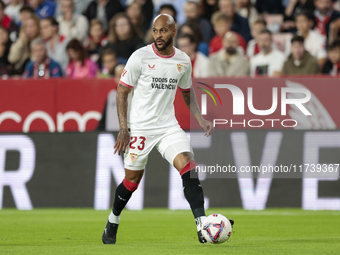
179, 68
133, 157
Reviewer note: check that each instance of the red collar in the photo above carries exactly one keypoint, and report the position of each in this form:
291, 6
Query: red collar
162, 56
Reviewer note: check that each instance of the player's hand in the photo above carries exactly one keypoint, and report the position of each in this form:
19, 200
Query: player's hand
208, 127
122, 142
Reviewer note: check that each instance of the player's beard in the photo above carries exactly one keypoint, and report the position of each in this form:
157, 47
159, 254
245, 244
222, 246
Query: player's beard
165, 45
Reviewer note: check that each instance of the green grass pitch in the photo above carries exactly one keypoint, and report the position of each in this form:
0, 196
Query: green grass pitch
161, 231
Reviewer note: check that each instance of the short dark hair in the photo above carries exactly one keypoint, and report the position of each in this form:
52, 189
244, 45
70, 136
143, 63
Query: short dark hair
188, 36
220, 16
3, 6
169, 6
260, 21
308, 14
297, 38
335, 44
27, 8
53, 21
96, 22
195, 27
109, 52
265, 31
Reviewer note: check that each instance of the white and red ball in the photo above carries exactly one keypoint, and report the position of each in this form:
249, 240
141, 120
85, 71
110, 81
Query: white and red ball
216, 228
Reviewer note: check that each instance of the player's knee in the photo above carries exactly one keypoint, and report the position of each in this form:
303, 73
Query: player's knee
182, 159
134, 176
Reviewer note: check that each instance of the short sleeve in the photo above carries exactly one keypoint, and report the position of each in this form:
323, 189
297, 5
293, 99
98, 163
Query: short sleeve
185, 81
132, 71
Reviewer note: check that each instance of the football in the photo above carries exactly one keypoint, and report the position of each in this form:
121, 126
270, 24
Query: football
216, 228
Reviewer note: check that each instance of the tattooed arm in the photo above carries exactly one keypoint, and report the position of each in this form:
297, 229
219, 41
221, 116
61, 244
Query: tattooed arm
191, 102
123, 138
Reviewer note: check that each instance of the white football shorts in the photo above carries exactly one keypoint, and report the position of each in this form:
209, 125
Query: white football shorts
169, 145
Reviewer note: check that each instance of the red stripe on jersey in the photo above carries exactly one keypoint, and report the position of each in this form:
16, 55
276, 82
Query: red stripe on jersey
162, 56
130, 185
190, 166
184, 89
126, 85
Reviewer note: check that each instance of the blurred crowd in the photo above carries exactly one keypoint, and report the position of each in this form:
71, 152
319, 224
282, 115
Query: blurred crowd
223, 38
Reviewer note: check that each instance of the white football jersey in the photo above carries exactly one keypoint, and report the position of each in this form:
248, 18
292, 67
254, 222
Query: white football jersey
154, 79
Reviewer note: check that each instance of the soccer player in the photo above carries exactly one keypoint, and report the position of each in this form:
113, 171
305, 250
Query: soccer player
152, 75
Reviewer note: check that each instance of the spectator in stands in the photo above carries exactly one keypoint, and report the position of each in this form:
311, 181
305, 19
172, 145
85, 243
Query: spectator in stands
19, 52
97, 39
191, 10
199, 62
147, 11
228, 61
8, 23
324, 16
43, 8
80, 65
253, 45
168, 9
293, 8
246, 9
134, 11
5, 44
104, 10
13, 10
239, 24
269, 61
109, 64
269, 6
332, 65
55, 43
25, 13
222, 24
334, 30
191, 27
314, 42
167, 6
80, 7
300, 61
123, 38
71, 24
207, 8
42, 66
